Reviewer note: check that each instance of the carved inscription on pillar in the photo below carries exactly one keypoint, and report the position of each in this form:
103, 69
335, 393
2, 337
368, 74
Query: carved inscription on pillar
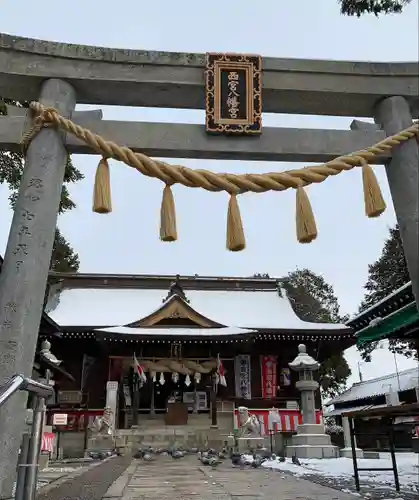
24, 234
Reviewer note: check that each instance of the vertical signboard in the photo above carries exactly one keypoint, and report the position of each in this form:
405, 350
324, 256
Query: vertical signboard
233, 84
269, 376
243, 376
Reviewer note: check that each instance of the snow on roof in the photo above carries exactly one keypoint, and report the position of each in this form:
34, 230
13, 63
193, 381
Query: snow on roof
388, 297
383, 362
121, 306
338, 411
183, 332
403, 381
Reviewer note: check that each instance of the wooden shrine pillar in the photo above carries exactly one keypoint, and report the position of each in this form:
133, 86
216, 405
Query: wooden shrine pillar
214, 416
135, 403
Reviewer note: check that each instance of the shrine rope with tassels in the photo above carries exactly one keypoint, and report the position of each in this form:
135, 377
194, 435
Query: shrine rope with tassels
231, 183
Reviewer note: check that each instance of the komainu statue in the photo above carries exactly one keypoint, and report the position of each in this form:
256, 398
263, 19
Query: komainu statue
103, 425
250, 425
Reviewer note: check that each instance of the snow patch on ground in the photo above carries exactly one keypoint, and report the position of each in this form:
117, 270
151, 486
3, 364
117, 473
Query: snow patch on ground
407, 466
60, 469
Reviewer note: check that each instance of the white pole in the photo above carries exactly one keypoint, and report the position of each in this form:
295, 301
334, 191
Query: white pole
397, 370
359, 372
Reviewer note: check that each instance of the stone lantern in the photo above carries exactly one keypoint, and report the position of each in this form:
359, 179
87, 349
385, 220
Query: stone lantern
311, 441
305, 365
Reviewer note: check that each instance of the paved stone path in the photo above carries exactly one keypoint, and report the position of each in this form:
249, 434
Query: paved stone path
89, 485
186, 479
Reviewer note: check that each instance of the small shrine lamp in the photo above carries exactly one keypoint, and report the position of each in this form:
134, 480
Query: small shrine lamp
46, 354
305, 365
51, 366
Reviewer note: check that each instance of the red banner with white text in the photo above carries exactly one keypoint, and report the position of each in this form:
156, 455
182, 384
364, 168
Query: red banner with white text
269, 376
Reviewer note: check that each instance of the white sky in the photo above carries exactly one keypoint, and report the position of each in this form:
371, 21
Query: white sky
126, 241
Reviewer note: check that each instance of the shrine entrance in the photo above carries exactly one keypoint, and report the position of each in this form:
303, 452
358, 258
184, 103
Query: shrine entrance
144, 400
230, 87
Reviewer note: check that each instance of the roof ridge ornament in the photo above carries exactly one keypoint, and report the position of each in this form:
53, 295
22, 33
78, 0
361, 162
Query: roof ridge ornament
176, 289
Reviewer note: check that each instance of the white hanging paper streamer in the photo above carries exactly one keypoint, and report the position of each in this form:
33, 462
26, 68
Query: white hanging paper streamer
153, 376
197, 377
175, 377
161, 379
187, 380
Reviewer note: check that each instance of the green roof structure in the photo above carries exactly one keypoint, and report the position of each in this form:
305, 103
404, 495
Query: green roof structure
395, 316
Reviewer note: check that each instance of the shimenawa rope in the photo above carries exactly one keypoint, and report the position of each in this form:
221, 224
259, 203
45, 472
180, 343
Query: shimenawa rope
231, 183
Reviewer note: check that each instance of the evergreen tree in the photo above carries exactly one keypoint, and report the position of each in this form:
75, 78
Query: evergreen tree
376, 7
314, 300
11, 169
63, 259
388, 273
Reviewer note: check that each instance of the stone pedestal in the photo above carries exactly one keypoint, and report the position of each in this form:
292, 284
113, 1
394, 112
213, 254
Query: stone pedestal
43, 461
245, 444
231, 441
100, 444
347, 451
311, 441
111, 400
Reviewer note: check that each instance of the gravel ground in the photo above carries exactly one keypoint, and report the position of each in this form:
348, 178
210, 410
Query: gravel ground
91, 485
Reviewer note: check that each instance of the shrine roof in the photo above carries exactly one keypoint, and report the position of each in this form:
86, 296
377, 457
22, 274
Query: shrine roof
338, 411
406, 380
389, 304
101, 301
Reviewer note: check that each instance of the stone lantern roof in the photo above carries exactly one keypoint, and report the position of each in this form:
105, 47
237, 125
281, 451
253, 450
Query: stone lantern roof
303, 361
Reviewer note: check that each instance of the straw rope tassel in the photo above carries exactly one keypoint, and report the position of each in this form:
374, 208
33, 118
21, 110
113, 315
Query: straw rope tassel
102, 201
168, 230
305, 222
235, 234
373, 197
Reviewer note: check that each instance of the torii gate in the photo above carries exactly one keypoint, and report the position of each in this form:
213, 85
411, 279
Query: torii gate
61, 75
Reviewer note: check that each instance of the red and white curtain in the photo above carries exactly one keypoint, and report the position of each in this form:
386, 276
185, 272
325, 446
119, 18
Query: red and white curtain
47, 443
268, 370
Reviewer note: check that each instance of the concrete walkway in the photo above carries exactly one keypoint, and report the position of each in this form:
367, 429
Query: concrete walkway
186, 479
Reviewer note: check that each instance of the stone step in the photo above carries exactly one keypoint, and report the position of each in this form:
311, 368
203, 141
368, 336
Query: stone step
311, 439
165, 436
165, 431
313, 451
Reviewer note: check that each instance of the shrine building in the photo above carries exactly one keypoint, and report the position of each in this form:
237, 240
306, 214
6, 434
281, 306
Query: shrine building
176, 327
